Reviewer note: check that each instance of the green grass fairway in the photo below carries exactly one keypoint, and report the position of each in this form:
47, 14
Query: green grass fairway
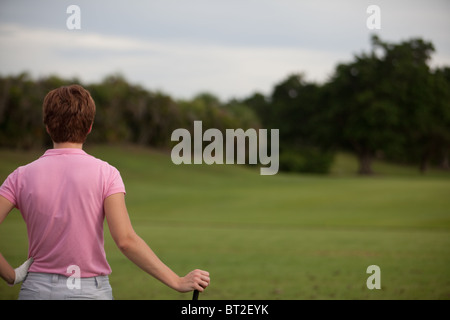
272, 237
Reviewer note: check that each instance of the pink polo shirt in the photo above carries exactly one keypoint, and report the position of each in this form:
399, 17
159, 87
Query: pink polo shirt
61, 196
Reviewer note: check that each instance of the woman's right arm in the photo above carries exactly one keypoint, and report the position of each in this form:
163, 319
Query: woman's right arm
7, 272
135, 249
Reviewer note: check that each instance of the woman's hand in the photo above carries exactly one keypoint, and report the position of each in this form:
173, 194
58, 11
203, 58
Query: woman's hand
21, 272
14, 276
194, 280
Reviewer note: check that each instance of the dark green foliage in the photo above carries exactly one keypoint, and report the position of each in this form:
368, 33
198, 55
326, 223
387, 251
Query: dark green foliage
307, 160
125, 113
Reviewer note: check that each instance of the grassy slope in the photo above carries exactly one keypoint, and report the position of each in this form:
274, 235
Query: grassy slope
273, 237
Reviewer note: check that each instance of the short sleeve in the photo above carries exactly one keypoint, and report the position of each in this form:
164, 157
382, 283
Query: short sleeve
115, 183
9, 187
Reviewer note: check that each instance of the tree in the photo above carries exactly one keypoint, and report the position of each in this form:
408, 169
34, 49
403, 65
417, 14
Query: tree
432, 135
20, 112
260, 106
381, 98
296, 108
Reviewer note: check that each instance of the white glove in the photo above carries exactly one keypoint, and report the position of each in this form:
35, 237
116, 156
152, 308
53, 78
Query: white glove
21, 272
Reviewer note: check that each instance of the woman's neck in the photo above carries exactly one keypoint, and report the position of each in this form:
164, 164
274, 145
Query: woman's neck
61, 145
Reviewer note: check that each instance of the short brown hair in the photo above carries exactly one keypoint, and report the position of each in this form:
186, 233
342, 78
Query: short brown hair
68, 113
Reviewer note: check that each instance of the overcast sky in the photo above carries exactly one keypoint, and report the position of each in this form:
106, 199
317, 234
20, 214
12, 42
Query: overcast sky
230, 48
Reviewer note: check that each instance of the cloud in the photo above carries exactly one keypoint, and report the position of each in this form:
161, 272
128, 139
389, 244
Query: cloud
230, 48
176, 67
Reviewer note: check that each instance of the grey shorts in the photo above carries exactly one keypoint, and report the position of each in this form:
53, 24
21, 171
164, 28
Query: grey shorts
47, 286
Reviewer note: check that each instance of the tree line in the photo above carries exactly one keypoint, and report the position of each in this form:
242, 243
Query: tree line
387, 103
125, 112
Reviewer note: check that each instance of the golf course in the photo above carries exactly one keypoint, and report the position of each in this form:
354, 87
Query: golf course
286, 236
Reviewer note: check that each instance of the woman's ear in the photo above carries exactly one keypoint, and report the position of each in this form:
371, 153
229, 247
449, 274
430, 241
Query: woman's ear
90, 128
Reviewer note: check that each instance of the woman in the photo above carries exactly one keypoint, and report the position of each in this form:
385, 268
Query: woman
64, 197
